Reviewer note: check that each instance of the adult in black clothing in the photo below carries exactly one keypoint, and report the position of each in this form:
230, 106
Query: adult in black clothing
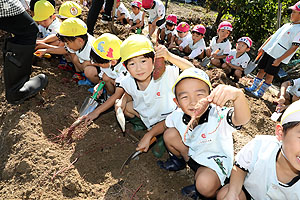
94, 13
18, 53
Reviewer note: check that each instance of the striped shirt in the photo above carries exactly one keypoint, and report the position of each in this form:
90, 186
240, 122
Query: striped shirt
9, 8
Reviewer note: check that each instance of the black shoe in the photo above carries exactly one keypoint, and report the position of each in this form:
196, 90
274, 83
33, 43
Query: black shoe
172, 164
190, 191
105, 19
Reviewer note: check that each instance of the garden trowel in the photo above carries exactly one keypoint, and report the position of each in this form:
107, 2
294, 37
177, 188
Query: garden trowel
252, 64
90, 103
206, 60
135, 154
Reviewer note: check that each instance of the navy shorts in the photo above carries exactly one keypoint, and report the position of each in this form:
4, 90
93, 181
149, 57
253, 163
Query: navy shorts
266, 62
159, 22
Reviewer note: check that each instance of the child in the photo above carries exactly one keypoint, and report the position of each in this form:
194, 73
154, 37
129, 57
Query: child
156, 11
121, 13
289, 93
195, 47
105, 54
69, 9
182, 35
146, 98
48, 24
278, 50
167, 31
268, 167
207, 146
136, 19
221, 43
238, 59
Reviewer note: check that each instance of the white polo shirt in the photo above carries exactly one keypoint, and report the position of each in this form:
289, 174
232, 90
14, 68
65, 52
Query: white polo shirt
123, 10
241, 61
134, 17
185, 40
282, 40
258, 157
157, 11
197, 48
156, 101
210, 142
117, 72
52, 28
294, 88
224, 46
167, 31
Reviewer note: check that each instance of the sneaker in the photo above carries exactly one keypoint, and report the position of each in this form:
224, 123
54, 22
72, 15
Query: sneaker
78, 76
190, 191
86, 82
105, 19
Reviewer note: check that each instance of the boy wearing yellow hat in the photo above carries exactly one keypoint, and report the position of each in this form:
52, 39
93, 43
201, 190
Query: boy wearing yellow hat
146, 98
105, 54
69, 9
268, 167
207, 144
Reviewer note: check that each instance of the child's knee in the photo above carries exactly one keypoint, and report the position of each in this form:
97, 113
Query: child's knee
170, 135
238, 73
207, 185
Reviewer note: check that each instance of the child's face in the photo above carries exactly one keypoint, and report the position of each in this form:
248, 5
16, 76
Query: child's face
118, 4
291, 146
295, 16
188, 92
46, 23
170, 28
182, 34
140, 67
222, 33
76, 44
135, 10
196, 37
242, 47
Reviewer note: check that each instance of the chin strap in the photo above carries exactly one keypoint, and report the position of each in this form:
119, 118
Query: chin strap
284, 154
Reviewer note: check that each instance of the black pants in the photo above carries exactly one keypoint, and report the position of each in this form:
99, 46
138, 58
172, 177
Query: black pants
22, 26
94, 13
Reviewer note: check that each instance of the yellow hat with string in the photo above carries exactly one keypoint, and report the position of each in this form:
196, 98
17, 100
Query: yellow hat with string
69, 9
43, 9
135, 45
72, 27
107, 46
292, 113
193, 73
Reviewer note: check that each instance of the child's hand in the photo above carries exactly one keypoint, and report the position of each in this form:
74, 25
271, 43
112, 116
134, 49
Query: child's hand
276, 63
231, 197
281, 100
40, 46
161, 51
95, 89
223, 93
171, 46
144, 143
180, 48
40, 53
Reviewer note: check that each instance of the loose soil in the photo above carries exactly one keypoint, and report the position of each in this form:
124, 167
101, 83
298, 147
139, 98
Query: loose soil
34, 165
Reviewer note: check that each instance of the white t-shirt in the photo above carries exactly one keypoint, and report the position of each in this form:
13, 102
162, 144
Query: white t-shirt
210, 142
156, 101
258, 157
185, 40
282, 40
167, 31
134, 17
118, 72
197, 48
241, 61
294, 88
123, 10
52, 28
157, 11
224, 46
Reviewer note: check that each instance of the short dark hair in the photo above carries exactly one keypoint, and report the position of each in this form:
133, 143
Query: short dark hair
169, 24
71, 38
197, 33
146, 55
289, 126
97, 59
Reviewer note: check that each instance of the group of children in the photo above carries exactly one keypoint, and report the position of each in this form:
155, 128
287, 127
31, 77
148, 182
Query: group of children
266, 168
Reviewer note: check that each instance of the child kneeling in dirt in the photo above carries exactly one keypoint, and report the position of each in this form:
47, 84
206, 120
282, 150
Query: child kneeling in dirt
237, 60
105, 54
182, 35
146, 98
268, 167
166, 32
206, 142
136, 19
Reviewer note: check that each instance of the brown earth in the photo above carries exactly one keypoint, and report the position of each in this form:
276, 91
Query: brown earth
34, 166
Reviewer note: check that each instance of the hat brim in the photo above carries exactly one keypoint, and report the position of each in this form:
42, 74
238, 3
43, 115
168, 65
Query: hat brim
190, 76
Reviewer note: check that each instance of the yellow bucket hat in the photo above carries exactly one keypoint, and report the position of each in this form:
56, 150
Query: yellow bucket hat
193, 73
135, 45
107, 46
43, 9
69, 9
72, 27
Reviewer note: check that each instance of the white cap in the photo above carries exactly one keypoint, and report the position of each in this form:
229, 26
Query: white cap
193, 73
292, 113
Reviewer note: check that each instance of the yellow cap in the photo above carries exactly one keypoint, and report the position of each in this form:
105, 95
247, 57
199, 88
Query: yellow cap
107, 46
193, 73
69, 9
72, 27
292, 113
43, 9
135, 45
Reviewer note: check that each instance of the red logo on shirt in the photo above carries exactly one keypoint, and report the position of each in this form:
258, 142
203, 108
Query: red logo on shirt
288, 33
158, 94
203, 135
